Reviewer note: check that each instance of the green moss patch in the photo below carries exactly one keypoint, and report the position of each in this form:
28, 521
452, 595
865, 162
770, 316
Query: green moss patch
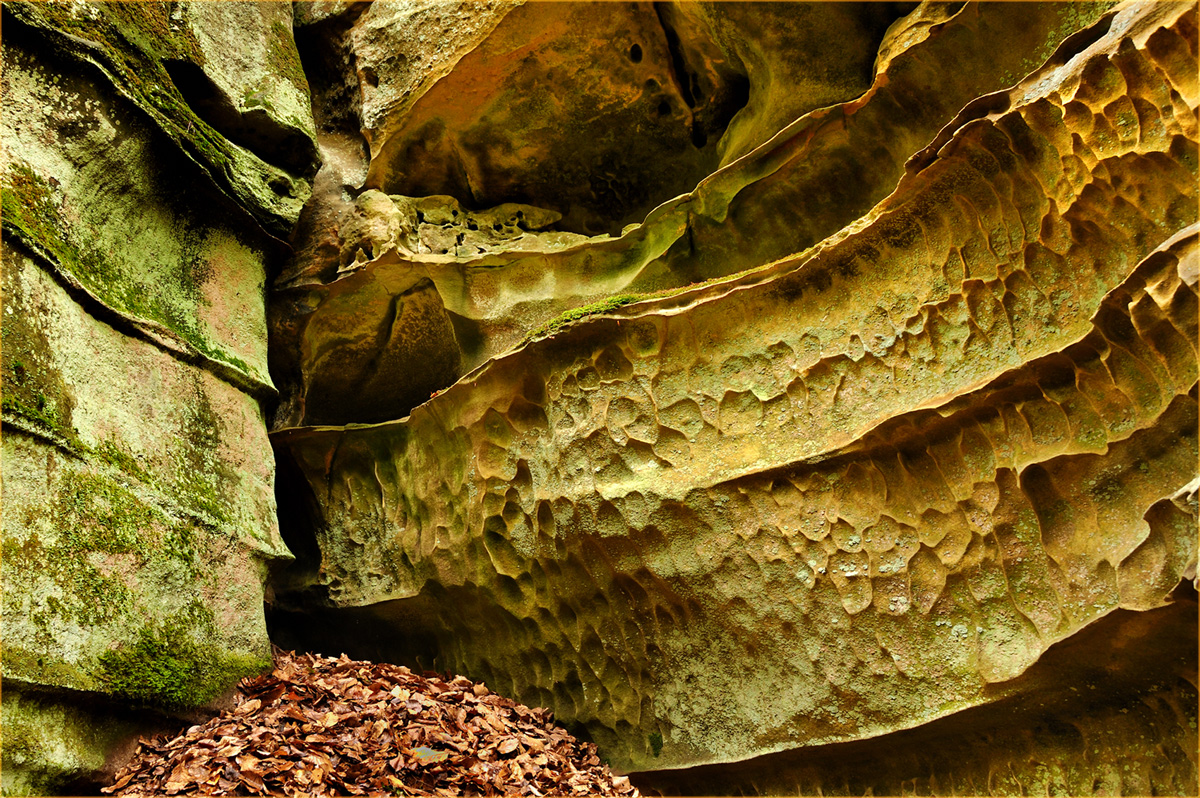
39, 415
31, 213
135, 37
96, 560
90, 598
166, 667
656, 743
620, 300
95, 513
111, 454
131, 41
29, 208
51, 741
32, 388
592, 309
282, 58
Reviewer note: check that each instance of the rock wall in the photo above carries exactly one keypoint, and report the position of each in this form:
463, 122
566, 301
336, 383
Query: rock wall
792, 397
149, 172
899, 398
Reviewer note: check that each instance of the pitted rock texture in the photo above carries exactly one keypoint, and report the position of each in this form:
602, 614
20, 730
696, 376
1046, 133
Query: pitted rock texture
144, 194
791, 397
818, 173
1089, 719
855, 490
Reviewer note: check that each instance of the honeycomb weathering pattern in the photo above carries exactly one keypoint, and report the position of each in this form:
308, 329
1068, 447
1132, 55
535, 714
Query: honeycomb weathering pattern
1124, 726
848, 493
822, 171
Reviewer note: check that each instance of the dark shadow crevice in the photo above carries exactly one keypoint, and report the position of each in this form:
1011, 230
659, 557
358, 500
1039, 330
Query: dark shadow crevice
254, 129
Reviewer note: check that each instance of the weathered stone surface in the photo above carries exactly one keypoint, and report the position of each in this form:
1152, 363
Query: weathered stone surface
846, 493
794, 398
819, 173
254, 94
123, 238
138, 489
139, 511
55, 746
1109, 712
135, 47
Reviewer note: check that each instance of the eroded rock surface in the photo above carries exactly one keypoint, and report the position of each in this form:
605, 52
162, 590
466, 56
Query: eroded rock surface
857, 489
145, 188
791, 397
539, 103
818, 173
1109, 712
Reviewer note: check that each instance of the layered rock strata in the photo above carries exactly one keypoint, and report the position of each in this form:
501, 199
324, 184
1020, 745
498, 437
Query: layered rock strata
148, 174
1109, 712
791, 397
338, 300
860, 479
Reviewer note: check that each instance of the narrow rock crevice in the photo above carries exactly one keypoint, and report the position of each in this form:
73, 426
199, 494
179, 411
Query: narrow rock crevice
253, 129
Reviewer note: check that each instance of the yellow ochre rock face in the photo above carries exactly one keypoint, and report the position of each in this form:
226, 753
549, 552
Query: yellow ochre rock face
793, 397
850, 436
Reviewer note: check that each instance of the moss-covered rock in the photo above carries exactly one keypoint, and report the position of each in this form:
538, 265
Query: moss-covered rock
188, 276
166, 667
63, 744
139, 513
155, 56
149, 489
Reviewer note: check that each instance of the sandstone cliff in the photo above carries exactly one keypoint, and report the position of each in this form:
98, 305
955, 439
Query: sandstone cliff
763, 388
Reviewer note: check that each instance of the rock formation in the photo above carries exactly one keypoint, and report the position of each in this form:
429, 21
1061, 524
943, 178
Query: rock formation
150, 172
760, 387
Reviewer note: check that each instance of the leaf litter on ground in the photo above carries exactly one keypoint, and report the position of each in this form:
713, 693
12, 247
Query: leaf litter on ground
319, 726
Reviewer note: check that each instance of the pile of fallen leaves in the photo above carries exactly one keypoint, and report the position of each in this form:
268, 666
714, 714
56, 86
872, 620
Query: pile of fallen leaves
323, 726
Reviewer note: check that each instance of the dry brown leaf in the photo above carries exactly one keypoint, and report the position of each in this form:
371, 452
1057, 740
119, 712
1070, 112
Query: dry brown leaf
250, 706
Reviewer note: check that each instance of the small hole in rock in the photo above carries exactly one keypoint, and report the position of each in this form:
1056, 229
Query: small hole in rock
635, 53
664, 108
370, 76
